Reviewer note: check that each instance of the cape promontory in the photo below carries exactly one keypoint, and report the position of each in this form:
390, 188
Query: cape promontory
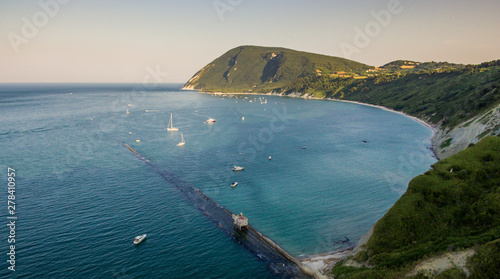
264, 69
461, 101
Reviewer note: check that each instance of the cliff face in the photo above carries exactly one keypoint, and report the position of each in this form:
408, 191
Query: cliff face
448, 142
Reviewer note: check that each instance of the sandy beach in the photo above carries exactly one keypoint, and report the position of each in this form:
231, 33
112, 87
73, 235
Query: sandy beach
307, 96
323, 263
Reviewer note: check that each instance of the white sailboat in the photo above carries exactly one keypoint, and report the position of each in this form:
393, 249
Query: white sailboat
182, 142
170, 125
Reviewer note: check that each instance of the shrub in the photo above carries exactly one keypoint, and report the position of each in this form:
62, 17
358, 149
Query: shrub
485, 264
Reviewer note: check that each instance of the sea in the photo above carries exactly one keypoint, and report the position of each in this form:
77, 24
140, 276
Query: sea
317, 176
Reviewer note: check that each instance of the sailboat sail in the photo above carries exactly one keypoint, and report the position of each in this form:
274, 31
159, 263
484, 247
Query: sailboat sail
171, 125
182, 142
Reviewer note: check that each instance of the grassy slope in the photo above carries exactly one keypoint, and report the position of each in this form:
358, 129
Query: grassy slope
256, 68
448, 98
455, 205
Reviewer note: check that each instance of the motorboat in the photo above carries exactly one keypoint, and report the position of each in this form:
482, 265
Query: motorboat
238, 168
234, 184
139, 239
210, 120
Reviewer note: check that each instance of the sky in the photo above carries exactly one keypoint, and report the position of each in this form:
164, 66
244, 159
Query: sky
124, 41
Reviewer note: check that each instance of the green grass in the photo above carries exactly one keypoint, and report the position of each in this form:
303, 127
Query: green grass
446, 143
468, 123
442, 210
485, 118
483, 134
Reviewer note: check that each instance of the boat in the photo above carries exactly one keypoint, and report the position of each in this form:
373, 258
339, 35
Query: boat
170, 125
128, 112
238, 168
270, 158
210, 120
140, 238
182, 142
234, 184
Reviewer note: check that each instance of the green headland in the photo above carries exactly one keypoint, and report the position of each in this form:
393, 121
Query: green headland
447, 224
462, 102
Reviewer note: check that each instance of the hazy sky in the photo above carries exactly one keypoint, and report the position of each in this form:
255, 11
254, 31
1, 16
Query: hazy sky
118, 41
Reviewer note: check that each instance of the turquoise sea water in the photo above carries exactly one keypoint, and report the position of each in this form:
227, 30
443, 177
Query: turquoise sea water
81, 196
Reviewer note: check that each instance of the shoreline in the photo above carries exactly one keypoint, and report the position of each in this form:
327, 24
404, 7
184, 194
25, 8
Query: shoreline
434, 128
324, 262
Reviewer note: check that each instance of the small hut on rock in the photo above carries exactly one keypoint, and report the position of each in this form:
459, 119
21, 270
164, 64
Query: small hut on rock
240, 222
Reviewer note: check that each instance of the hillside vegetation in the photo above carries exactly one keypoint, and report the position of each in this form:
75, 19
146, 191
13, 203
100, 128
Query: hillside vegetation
453, 206
264, 69
439, 92
446, 97
413, 66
